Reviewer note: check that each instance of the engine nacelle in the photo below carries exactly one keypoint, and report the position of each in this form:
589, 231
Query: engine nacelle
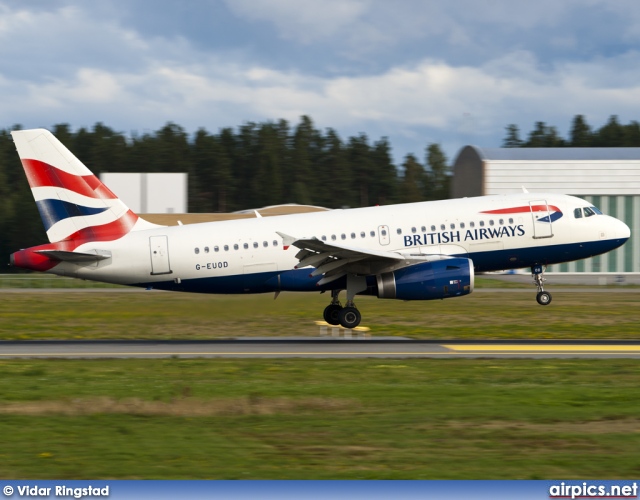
428, 280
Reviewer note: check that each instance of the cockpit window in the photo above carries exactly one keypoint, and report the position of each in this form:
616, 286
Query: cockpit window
596, 210
577, 213
588, 212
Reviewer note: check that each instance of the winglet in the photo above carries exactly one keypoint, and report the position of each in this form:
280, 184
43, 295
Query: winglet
287, 240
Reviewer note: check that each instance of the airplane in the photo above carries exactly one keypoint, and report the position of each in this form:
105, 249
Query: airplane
415, 251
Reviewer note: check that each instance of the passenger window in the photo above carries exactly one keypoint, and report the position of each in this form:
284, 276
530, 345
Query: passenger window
433, 228
577, 213
255, 244
275, 243
324, 238
235, 247
423, 229
246, 246
481, 223
216, 249
413, 229
353, 236
343, 236
452, 226
206, 249
462, 225
226, 248
399, 231
501, 222
472, 224
362, 234
333, 237
373, 234
197, 250
442, 227
491, 222
384, 232
510, 221
265, 244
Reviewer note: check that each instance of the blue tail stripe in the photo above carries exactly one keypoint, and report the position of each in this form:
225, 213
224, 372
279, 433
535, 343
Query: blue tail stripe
52, 211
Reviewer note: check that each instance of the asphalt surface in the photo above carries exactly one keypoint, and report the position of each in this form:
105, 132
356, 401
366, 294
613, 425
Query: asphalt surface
321, 347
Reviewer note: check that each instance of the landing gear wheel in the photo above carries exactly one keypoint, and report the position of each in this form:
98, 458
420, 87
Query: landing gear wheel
349, 317
332, 314
543, 298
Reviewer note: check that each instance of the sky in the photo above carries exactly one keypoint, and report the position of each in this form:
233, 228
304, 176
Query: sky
452, 72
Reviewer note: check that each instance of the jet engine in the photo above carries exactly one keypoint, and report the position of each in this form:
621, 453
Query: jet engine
428, 280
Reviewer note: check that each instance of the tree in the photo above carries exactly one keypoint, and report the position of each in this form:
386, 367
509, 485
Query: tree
580, 135
611, 135
512, 140
438, 178
632, 135
544, 136
383, 185
413, 180
360, 160
334, 173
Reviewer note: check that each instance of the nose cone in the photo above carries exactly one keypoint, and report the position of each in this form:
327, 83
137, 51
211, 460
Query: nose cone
622, 230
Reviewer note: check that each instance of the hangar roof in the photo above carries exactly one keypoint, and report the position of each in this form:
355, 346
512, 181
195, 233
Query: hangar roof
555, 154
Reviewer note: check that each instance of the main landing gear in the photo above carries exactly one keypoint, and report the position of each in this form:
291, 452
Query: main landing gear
335, 314
347, 316
543, 298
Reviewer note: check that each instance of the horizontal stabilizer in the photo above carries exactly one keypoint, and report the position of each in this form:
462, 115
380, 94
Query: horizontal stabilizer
76, 257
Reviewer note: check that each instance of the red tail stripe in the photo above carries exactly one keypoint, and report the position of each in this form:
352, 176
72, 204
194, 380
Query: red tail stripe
41, 174
526, 208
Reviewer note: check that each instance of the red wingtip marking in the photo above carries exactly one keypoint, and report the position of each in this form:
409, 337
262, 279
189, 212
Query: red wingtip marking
286, 247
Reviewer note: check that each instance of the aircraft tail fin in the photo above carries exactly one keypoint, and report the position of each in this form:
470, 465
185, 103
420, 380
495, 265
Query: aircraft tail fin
73, 203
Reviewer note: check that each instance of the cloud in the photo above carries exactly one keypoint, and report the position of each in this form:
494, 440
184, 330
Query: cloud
70, 65
305, 21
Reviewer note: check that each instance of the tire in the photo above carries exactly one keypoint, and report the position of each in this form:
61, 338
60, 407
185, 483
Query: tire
543, 298
331, 314
350, 317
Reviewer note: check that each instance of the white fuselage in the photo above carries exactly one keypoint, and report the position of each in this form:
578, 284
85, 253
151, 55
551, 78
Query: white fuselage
224, 257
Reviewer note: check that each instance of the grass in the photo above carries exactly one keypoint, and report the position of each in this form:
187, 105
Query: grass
157, 315
319, 419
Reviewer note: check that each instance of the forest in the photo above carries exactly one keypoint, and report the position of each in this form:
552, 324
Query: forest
260, 164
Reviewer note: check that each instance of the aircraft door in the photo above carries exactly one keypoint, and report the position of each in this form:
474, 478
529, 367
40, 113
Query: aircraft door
541, 219
159, 248
383, 235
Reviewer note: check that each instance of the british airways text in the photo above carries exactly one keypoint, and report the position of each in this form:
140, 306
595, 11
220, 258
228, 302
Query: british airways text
483, 233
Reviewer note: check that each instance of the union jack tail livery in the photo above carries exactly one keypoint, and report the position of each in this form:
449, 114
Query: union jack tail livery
73, 203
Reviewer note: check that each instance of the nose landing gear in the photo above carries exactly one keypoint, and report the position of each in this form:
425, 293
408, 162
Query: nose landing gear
537, 272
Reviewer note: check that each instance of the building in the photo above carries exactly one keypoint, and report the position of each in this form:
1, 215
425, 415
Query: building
607, 177
161, 193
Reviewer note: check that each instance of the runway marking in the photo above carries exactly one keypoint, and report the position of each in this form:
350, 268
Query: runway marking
203, 353
457, 350
538, 348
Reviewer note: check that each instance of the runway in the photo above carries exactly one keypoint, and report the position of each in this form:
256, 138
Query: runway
319, 348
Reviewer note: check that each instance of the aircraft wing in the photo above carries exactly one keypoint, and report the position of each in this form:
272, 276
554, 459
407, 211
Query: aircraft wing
334, 260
